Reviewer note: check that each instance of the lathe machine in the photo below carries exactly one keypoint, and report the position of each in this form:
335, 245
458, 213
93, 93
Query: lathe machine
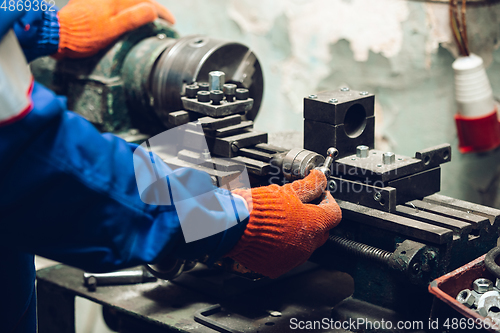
397, 232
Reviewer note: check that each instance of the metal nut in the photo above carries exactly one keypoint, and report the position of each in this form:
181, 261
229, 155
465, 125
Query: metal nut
466, 298
489, 300
497, 283
482, 285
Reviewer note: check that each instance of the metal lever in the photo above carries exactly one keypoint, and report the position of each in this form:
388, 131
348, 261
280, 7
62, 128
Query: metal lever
326, 168
92, 280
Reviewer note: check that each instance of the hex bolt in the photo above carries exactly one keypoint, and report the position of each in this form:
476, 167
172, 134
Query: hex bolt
482, 285
204, 86
216, 96
230, 91
363, 93
313, 96
377, 196
466, 298
344, 89
389, 158
191, 91
203, 96
242, 94
362, 151
216, 80
161, 36
333, 101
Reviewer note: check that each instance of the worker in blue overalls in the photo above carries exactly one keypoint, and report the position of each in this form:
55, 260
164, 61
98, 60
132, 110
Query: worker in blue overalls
69, 193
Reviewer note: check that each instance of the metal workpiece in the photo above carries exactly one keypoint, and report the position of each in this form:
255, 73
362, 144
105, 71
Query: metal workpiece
319, 136
298, 162
216, 80
362, 151
92, 280
351, 108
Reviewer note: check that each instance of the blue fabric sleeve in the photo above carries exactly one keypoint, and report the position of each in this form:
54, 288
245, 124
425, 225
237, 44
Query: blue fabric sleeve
38, 30
69, 193
7, 19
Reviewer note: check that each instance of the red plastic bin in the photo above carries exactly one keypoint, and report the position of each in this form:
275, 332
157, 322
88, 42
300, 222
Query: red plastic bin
447, 287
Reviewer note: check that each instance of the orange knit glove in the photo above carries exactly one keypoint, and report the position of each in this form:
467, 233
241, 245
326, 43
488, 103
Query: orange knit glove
87, 26
284, 230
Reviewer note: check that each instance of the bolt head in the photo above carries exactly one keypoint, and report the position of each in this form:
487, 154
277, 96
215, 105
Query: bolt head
161, 36
333, 101
482, 285
332, 185
364, 93
377, 196
313, 96
389, 158
344, 89
216, 80
362, 151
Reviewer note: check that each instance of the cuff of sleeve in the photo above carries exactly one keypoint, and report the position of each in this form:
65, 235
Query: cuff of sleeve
47, 37
231, 236
214, 247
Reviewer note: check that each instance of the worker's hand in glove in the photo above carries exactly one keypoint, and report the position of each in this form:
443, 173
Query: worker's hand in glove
87, 26
284, 228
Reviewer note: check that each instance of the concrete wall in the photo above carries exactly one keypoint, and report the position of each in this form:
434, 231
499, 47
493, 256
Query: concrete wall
400, 50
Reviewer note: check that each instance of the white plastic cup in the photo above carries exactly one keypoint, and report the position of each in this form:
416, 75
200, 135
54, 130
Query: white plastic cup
472, 87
